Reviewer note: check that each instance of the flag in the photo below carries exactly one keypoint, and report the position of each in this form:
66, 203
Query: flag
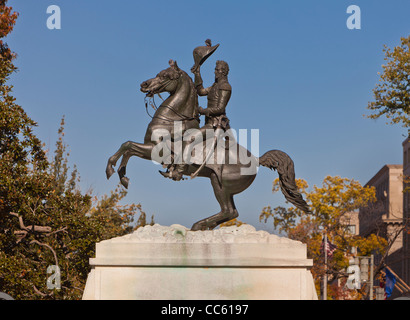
329, 247
390, 282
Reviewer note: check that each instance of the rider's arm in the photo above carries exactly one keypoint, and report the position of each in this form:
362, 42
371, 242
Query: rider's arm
201, 91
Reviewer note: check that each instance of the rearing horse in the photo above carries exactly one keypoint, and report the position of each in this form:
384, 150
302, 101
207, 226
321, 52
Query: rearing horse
227, 179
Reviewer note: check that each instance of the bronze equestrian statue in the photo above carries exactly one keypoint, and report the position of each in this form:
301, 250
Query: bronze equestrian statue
181, 107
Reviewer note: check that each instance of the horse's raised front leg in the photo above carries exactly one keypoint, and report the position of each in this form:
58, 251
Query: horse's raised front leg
127, 150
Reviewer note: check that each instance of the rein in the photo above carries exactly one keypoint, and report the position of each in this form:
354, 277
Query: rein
151, 102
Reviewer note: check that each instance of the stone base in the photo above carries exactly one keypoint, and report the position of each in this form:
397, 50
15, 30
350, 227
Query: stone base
174, 263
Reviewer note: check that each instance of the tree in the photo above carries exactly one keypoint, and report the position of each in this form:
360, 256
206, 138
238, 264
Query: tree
23, 163
392, 94
45, 219
332, 206
392, 99
59, 226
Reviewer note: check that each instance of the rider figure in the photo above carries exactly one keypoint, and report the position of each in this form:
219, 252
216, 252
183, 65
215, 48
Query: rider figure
218, 97
215, 114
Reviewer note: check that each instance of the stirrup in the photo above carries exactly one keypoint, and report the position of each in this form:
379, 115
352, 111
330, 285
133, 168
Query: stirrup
173, 174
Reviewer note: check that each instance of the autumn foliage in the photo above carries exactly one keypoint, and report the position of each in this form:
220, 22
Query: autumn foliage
333, 206
45, 219
392, 94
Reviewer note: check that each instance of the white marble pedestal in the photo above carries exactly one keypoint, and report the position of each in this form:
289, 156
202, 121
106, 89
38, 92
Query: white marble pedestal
173, 263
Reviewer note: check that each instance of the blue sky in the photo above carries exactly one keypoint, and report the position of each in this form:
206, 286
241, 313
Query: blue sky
298, 74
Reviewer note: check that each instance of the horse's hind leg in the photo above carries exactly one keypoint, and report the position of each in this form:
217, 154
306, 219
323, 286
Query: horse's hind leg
228, 209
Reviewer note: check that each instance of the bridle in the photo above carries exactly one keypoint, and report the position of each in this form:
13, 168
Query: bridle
151, 102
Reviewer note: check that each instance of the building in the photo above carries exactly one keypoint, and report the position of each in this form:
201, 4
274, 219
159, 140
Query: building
406, 211
385, 216
351, 221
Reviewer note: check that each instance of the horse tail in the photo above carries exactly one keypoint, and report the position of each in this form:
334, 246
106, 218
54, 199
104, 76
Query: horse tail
283, 164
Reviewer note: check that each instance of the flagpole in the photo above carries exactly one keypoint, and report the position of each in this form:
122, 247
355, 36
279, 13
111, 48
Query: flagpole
325, 276
371, 276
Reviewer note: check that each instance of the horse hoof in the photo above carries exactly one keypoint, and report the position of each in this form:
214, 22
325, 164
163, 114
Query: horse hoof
109, 172
125, 181
202, 226
199, 226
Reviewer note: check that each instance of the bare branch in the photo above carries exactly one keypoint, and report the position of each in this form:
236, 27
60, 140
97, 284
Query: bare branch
29, 228
386, 254
41, 293
47, 246
57, 231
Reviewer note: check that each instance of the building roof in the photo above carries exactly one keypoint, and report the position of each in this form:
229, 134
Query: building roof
382, 171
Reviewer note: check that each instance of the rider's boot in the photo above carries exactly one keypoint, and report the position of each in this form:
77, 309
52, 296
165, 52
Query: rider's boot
174, 172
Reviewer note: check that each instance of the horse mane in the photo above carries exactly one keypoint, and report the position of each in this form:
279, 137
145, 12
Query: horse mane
170, 73
193, 91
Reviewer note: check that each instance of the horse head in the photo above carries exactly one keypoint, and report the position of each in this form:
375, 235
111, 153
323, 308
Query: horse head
182, 104
165, 81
